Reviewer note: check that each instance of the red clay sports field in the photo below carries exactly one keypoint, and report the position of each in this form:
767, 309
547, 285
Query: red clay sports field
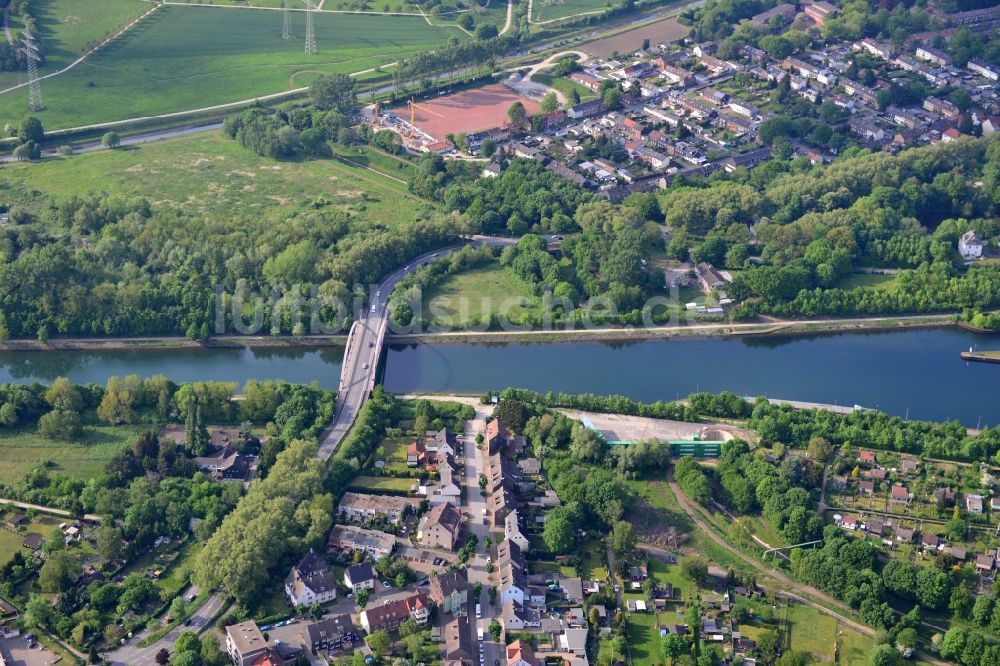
467, 111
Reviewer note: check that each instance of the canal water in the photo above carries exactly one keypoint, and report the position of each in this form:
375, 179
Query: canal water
911, 371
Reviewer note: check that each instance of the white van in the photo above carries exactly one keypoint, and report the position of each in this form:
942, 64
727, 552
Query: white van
479, 611
479, 632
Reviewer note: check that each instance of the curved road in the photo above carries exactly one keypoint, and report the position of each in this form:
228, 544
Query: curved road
364, 346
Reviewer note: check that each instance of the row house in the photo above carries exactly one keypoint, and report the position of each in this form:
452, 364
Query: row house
941, 107
859, 91
933, 55
785, 11
878, 49
351, 538
360, 507
819, 11
743, 107
661, 115
902, 117
714, 65
391, 614
586, 80
804, 69
984, 69
676, 75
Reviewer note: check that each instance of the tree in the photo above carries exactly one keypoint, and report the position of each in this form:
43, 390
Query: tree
884, 655
334, 91
559, 529
549, 103
767, 646
574, 96
517, 114
695, 569
379, 642
495, 630
31, 130
612, 98
361, 598
162, 656
622, 537
177, 608
111, 140
673, 646
108, 540
59, 572
819, 449
933, 587
906, 641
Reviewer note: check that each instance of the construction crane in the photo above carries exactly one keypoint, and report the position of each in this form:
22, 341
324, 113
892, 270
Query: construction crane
413, 114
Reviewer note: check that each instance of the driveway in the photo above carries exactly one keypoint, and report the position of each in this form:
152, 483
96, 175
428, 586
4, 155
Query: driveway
17, 653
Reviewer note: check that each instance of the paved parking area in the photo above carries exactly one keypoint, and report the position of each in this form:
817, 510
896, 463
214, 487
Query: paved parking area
17, 653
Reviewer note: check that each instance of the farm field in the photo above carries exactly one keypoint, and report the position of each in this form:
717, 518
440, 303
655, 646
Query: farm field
67, 27
660, 32
190, 57
546, 10
212, 174
471, 295
23, 450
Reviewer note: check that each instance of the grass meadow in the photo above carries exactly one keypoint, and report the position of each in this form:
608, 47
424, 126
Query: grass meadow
210, 174
183, 58
476, 293
545, 10
22, 450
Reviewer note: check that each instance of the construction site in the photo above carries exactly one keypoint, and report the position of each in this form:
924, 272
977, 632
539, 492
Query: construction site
425, 125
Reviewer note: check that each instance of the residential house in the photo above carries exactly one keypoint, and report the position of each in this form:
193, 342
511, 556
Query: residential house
392, 613
959, 554
866, 487
450, 591
17, 520
458, 644
586, 80
820, 10
440, 526
899, 495
530, 466
849, 522
974, 503
983, 68
512, 530
360, 577
784, 10
574, 640
361, 508
867, 458
708, 277
496, 436
440, 442
310, 582
517, 617
985, 563
930, 541
416, 452
332, 634
519, 653
875, 527
909, 466
371, 542
933, 55
588, 109
970, 245
941, 107
904, 534
244, 643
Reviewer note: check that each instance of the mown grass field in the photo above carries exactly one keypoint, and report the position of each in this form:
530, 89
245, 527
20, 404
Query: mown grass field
10, 541
808, 630
477, 293
888, 283
191, 57
22, 450
212, 174
383, 483
544, 10
67, 27
564, 85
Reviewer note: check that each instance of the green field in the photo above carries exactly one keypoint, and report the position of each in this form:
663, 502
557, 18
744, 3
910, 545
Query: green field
808, 630
545, 10
191, 57
212, 174
565, 86
384, 483
857, 280
471, 295
10, 541
68, 27
23, 450
643, 637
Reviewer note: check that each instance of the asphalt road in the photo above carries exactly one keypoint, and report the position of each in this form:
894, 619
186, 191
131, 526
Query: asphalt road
131, 654
364, 348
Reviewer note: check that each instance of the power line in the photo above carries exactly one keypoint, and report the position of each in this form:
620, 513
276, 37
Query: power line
30, 49
286, 30
310, 30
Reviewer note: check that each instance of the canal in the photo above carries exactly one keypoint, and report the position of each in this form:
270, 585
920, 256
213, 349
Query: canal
911, 371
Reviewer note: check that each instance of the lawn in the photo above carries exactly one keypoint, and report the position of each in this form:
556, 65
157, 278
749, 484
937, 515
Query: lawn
470, 296
392, 451
643, 638
210, 174
22, 450
857, 280
68, 27
190, 57
545, 10
565, 86
10, 541
812, 631
386, 484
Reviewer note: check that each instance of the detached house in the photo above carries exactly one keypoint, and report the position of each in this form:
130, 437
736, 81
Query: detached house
310, 582
360, 577
970, 245
391, 614
496, 436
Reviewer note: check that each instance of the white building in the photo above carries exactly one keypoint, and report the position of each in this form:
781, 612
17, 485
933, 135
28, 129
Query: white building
970, 245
